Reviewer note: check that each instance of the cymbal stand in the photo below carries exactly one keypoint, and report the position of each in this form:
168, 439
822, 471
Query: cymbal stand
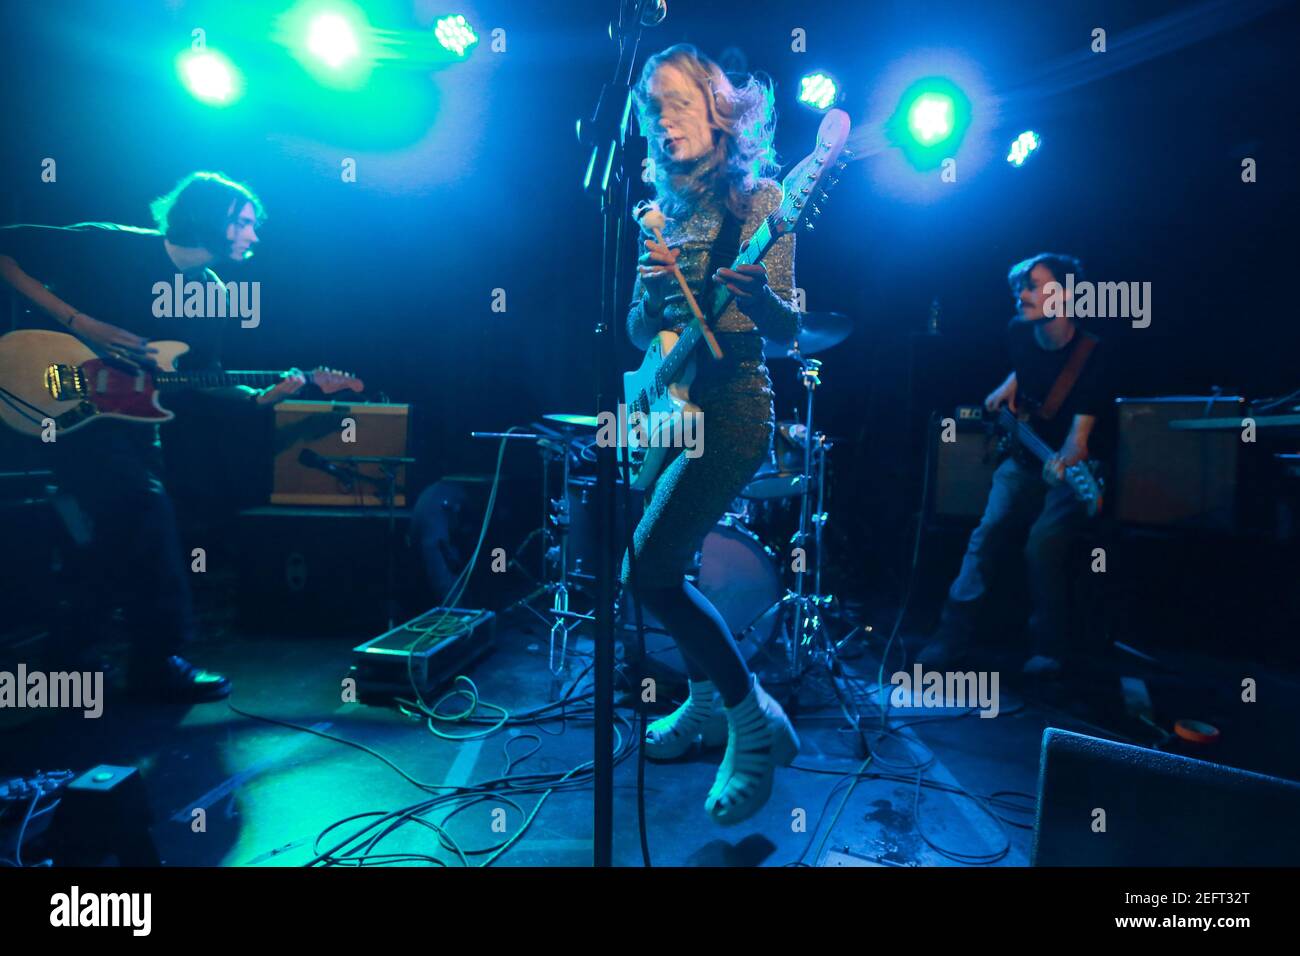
811, 645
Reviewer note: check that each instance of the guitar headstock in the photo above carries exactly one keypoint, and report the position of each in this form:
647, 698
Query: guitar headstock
330, 380
807, 184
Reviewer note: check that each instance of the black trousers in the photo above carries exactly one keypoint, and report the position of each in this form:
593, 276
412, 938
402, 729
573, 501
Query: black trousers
130, 559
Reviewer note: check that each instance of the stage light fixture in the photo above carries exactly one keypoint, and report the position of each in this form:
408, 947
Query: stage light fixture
819, 91
209, 76
930, 118
1026, 143
455, 34
930, 121
331, 39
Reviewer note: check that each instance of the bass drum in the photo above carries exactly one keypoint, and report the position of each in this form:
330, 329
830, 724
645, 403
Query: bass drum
740, 576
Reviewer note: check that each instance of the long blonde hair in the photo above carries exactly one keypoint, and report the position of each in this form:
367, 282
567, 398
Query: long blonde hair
744, 115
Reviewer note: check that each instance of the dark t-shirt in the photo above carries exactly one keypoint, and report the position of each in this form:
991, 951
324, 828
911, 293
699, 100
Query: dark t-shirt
1037, 369
109, 272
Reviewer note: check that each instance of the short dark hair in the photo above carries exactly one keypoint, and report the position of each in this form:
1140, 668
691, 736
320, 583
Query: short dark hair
197, 211
1057, 264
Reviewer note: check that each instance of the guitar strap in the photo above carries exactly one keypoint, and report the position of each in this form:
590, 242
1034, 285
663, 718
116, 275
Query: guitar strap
722, 254
1083, 346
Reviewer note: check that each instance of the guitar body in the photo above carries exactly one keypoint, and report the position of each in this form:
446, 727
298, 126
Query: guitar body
50, 375
653, 422
56, 376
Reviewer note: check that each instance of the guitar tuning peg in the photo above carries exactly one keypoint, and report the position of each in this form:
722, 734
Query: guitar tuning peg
809, 226
816, 210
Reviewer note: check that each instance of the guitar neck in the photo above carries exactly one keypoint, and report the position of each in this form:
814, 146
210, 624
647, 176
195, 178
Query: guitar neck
181, 381
758, 246
1025, 435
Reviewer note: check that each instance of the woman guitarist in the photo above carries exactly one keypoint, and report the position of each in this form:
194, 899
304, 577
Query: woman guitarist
710, 145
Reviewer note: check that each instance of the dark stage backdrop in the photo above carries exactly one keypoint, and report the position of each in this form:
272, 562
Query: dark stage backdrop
468, 182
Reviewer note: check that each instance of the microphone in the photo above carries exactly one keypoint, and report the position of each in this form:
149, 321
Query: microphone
310, 459
653, 12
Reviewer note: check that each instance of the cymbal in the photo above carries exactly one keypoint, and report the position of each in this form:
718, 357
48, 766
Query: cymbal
821, 331
581, 421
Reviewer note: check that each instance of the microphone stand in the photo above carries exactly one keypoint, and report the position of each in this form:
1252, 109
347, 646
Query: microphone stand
387, 490
606, 178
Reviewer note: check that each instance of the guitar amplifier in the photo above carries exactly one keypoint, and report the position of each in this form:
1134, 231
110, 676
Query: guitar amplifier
963, 468
336, 429
1176, 479
322, 570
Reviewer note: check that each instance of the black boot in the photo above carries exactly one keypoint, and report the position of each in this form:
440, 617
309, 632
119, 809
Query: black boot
176, 680
954, 639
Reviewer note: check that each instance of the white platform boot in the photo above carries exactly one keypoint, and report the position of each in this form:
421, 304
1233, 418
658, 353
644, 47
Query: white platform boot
700, 718
759, 739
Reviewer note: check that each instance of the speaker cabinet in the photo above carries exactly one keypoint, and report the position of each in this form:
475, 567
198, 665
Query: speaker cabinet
336, 429
963, 468
1159, 809
1176, 479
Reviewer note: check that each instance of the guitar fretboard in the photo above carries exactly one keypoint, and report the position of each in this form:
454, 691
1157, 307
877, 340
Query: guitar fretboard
176, 381
1025, 435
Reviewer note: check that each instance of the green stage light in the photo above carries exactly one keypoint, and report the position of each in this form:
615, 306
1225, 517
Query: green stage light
930, 118
331, 38
455, 34
930, 122
209, 76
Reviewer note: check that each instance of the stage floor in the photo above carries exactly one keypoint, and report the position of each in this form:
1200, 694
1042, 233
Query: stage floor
269, 791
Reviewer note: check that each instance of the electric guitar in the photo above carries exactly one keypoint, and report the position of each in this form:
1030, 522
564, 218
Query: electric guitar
53, 376
657, 395
1081, 477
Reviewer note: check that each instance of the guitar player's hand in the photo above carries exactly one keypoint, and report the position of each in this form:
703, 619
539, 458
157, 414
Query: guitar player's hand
1071, 453
746, 284
117, 342
655, 269
1004, 394
292, 381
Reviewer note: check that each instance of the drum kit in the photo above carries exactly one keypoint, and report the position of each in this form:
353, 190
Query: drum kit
761, 563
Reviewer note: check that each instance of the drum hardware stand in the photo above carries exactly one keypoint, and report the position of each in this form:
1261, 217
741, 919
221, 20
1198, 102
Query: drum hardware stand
553, 447
810, 643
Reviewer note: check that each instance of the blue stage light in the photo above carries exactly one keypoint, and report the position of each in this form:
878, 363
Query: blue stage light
819, 91
1026, 143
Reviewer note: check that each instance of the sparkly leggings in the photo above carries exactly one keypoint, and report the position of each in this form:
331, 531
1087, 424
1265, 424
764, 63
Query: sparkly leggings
689, 498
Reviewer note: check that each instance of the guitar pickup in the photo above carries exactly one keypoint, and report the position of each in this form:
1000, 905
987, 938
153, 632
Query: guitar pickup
65, 383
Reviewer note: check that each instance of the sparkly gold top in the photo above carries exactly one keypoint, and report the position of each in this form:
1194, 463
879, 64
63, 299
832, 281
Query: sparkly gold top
777, 320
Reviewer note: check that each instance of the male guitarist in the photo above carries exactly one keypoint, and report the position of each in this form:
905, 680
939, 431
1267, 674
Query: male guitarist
96, 281
1056, 378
